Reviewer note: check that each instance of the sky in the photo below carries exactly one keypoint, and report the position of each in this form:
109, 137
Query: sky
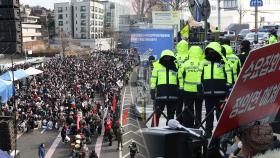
43, 3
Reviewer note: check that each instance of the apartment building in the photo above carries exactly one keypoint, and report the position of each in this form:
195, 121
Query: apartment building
80, 19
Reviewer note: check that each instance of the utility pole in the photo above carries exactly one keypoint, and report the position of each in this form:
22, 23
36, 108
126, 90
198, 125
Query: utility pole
219, 13
204, 7
256, 23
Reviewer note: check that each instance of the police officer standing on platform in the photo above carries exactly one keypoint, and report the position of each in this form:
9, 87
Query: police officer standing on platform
191, 87
233, 60
215, 83
164, 85
182, 56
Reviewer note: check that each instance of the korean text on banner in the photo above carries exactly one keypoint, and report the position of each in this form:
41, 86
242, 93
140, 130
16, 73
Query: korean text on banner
255, 97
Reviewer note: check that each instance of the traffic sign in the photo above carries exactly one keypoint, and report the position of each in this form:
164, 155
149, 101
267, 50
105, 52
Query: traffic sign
254, 3
256, 95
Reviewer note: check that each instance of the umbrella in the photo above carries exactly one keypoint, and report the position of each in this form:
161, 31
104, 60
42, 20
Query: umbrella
32, 71
6, 90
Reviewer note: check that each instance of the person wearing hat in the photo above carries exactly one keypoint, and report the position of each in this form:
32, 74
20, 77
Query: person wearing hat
245, 48
182, 56
164, 85
257, 142
191, 87
215, 81
273, 37
133, 149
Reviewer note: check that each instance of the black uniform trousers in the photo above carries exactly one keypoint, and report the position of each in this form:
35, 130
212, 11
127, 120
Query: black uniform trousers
192, 112
159, 108
210, 103
179, 110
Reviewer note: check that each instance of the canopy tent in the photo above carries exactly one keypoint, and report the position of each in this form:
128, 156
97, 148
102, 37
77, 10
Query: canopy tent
6, 90
32, 71
19, 74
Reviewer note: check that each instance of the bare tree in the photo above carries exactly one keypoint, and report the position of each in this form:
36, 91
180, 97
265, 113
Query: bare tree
143, 7
175, 4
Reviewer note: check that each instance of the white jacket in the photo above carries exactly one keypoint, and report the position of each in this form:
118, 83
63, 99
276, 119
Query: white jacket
270, 154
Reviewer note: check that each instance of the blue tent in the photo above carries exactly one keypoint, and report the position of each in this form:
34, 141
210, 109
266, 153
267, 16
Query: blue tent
19, 74
6, 90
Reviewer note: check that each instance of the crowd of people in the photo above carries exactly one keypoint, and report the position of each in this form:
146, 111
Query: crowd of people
65, 95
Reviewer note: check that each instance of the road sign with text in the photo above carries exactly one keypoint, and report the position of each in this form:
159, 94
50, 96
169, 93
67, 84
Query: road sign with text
254, 3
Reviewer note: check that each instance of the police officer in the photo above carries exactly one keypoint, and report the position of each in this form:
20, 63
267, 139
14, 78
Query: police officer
215, 82
182, 54
234, 61
164, 85
245, 48
191, 87
273, 38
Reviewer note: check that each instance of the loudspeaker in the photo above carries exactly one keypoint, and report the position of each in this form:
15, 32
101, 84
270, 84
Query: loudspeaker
10, 27
10, 47
10, 31
163, 142
7, 134
9, 13
9, 3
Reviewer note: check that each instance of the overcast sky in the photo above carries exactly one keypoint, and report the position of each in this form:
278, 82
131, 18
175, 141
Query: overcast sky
43, 3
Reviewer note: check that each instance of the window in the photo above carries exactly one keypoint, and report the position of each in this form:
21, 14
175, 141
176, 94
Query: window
92, 9
60, 23
83, 22
66, 22
76, 29
83, 29
66, 15
59, 9
92, 16
60, 16
76, 22
83, 8
32, 37
83, 36
230, 3
83, 16
66, 8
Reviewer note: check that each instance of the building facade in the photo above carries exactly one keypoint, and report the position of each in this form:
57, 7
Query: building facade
80, 19
31, 31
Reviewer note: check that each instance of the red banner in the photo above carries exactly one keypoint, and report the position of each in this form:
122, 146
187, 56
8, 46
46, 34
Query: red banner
114, 103
124, 116
255, 96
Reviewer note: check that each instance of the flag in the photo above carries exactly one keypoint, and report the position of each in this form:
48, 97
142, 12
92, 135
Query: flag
124, 116
185, 31
114, 103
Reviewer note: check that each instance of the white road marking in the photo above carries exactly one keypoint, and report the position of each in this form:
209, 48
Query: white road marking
136, 133
99, 141
19, 135
120, 152
53, 146
43, 131
130, 140
145, 144
129, 124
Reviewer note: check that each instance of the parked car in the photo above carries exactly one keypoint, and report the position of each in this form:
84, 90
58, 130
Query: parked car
262, 37
242, 34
